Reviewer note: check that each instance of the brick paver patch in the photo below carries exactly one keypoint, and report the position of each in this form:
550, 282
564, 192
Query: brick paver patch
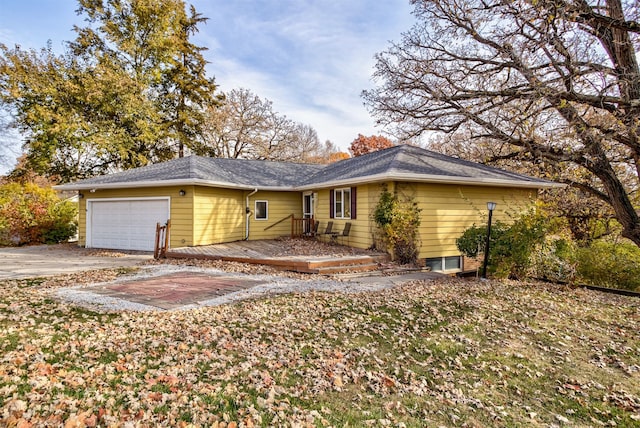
175, 290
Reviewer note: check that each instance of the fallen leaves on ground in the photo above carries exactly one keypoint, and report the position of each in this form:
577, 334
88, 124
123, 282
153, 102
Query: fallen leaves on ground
316, 247
451, 353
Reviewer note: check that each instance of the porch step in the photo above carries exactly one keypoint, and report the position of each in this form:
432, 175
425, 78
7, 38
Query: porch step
319, 265
332, 266
332, 270
347, 261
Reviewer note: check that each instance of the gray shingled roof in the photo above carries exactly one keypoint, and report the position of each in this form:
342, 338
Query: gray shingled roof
410, 161
396, 163
231, 172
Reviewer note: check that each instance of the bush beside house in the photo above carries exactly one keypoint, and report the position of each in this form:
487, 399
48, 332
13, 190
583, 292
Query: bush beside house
30, 214
533, 246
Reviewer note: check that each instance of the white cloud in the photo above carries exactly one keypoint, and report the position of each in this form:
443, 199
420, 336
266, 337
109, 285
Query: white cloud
312, 59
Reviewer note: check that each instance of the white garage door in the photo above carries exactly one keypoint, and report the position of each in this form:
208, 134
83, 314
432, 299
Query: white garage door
125, 224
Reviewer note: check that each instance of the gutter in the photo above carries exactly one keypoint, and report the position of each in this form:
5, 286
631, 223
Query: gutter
248, 211
435, 179
492, 182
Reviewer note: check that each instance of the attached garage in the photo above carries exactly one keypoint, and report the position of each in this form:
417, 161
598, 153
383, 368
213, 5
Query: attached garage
125, 224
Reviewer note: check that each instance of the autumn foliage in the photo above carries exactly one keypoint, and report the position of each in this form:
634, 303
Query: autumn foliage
364, 145
30, 214
337, 156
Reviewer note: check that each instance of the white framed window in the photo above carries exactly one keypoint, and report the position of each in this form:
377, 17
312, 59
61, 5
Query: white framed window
342, 203
261, 211
444, 264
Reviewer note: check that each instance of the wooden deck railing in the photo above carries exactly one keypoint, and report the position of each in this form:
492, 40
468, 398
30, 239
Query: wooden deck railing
278, 222
301, 227
162, 240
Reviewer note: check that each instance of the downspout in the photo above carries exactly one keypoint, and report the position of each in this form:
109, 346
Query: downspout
248, 211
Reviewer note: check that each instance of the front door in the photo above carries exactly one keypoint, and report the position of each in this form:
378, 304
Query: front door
307, 210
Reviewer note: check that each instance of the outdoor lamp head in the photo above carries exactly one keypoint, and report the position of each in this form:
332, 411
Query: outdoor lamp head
491, 206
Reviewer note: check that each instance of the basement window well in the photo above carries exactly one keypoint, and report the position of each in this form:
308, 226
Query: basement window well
444, 264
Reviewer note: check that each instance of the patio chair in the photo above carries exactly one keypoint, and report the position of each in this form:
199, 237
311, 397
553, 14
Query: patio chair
345, 232
328, 230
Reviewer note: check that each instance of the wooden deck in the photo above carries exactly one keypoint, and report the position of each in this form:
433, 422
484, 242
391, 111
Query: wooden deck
291, 256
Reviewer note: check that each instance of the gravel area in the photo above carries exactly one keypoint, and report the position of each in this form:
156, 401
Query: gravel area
272, 284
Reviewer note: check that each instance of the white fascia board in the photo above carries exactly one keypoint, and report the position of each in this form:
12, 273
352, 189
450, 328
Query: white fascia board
377, 178
421, 178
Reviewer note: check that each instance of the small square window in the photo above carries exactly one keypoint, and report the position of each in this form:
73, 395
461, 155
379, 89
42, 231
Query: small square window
451, 263
443, 264
262, 210
434, 263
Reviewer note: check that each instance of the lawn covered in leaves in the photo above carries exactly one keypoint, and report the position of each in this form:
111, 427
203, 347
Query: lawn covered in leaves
454, 353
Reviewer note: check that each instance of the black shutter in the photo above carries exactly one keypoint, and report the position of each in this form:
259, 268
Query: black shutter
332, 199
353, 203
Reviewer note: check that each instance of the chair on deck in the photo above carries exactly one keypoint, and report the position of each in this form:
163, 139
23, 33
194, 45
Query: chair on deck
344, 234
328, 230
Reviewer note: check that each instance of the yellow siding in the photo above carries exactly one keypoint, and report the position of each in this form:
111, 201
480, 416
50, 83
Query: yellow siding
82, 221
219, 215
360, 235
180, 211
208, 215
213, 215
447, 210
280, 205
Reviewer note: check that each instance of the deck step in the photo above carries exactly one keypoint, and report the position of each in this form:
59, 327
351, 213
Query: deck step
347, 261
319, 265
332, 270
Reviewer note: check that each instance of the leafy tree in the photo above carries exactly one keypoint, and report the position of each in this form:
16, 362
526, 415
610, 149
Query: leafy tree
150, 41
131, 89
80, 120
246, 126
337, 156
363, 145
551, 80
23, 175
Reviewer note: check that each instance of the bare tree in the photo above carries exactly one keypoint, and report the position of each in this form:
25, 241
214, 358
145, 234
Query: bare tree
246, 126
586, 216
556, 80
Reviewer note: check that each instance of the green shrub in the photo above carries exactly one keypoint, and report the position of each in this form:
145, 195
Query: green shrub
30, 214
609, 264
398, 221
511, 245
554, 260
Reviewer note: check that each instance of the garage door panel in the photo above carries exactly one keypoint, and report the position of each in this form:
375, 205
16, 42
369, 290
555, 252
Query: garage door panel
126, 224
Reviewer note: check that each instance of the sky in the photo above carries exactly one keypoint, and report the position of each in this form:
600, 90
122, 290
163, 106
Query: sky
311, 58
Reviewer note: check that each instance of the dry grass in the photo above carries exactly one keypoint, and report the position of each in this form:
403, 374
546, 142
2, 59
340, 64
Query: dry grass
454, 353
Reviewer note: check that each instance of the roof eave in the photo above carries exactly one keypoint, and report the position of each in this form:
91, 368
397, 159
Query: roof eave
420, 178
166, 183
376, 178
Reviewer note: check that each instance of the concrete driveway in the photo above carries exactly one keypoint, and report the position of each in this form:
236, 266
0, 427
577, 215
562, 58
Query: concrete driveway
49, 260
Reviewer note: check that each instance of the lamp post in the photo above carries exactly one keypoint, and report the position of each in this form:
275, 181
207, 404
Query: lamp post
490, 206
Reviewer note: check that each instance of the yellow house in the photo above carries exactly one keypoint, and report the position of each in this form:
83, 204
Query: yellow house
211, 200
